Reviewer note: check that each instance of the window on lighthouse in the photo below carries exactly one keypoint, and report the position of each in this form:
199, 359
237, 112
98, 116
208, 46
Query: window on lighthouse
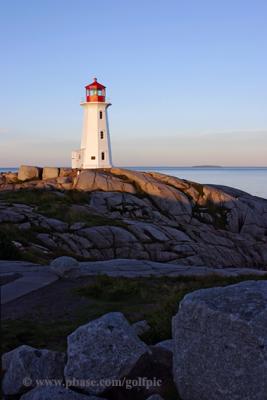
101, 135
100, 114
102, 156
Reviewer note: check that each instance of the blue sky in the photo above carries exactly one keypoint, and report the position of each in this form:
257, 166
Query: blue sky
187, 79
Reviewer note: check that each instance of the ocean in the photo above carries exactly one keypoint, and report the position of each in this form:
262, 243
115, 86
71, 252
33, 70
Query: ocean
250, 180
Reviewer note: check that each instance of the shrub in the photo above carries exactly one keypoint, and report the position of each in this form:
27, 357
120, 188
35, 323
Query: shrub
108, 288
8, 250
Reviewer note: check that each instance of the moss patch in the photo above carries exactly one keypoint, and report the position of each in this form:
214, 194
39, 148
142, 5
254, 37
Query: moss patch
42, 197
158, 298
59, 205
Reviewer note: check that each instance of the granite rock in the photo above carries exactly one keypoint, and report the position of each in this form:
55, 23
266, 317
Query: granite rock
106, 348
50, 173
33, 364
64, 266
27, 172
149, 216
220, 343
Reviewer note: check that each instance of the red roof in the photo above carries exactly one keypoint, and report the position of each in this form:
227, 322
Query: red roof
95, 85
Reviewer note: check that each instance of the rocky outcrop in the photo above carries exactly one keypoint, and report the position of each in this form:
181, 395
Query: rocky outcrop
218, 352
167, 198
220, 343
50, 173
104, 349
9, 177
25, 365
104, 356
90, 181
27, 172
146, 216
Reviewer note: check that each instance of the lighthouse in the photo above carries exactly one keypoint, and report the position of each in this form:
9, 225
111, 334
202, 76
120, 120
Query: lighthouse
95, 151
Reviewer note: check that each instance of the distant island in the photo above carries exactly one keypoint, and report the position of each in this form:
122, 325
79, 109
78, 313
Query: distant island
206, 166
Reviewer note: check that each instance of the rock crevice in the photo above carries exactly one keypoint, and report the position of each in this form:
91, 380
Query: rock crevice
129, 214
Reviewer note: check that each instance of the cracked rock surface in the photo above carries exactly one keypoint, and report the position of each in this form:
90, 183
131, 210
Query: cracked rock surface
138, 215
220, 343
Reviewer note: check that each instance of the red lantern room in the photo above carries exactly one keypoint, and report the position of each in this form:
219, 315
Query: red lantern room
95, 92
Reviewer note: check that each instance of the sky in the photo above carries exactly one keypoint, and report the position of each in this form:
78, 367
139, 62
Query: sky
187, 80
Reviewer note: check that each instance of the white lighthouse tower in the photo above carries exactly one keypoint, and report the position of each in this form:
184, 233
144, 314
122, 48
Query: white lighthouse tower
95, 149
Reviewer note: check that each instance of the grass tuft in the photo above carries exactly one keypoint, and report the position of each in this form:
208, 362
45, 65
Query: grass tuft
154, 299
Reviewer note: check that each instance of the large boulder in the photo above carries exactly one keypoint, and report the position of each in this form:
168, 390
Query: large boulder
55, 393
220, 343
64, 266
50, 173
27, 172
90, 180
7, 357
25, 365
104, 349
